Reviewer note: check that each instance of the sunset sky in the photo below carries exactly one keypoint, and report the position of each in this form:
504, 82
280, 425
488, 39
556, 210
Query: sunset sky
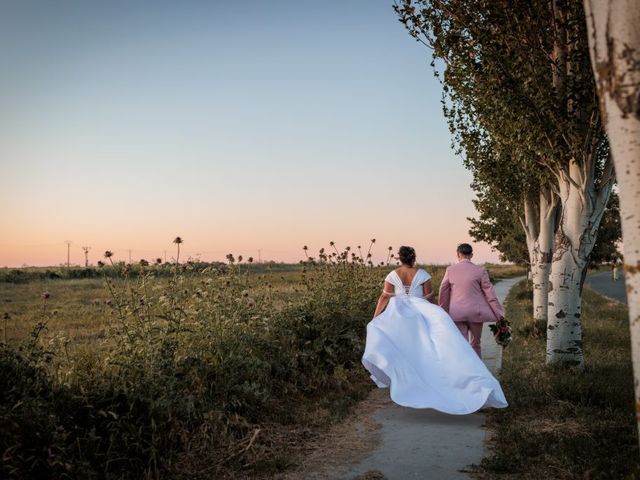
237, 125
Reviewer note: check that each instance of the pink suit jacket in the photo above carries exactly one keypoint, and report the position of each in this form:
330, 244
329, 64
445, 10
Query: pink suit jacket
467, 294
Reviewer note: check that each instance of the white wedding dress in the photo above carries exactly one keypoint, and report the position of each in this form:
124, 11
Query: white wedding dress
415, 348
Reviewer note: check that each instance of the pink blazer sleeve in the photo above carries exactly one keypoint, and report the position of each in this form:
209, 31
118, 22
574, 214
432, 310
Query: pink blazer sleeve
490, 295
444, 296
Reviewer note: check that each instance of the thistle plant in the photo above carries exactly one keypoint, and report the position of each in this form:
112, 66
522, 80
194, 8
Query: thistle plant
197, 360
178, 241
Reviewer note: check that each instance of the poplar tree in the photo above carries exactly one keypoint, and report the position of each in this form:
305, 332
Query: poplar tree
518, 71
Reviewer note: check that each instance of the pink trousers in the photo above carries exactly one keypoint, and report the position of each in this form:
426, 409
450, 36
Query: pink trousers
472, 331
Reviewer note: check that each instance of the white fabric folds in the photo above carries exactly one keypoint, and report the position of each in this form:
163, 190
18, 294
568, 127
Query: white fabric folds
415, 348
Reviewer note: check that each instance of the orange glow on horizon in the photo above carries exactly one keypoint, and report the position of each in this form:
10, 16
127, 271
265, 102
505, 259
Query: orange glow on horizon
440, 251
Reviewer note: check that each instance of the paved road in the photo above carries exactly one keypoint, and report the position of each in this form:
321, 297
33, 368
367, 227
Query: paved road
602, 283
424, 443
491, 351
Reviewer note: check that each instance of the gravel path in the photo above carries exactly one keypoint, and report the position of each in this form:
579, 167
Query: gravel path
416, 443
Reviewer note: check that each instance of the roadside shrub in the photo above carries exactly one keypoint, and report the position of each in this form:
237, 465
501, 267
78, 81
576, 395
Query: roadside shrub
200, 373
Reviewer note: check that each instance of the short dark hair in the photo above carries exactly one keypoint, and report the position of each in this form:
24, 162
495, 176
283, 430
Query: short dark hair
407, 255
465, 249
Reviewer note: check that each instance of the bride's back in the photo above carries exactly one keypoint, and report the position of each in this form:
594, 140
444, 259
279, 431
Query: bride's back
406, 274
408, 281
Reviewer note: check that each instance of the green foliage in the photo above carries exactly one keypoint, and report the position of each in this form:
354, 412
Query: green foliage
206, 373
498, 224
609, 234
197, 374
504, 83
519, 97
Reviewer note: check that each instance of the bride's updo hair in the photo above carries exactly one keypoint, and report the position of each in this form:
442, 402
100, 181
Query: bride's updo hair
407, 255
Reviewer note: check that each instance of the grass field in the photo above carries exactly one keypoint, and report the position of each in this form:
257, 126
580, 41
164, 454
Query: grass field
216, 373
566, 424
81, 309
78, 309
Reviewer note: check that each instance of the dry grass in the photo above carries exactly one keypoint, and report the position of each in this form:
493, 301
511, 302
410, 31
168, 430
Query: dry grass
566, 424
500, 272
253, 408
78, 311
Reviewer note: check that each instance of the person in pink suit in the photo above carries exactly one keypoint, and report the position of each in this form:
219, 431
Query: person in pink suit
467, 294
414, 348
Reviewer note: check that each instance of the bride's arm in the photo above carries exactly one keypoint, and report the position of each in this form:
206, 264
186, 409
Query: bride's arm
427, 291
387, 293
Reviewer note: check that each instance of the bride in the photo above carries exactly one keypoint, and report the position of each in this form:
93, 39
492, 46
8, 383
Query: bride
414, 347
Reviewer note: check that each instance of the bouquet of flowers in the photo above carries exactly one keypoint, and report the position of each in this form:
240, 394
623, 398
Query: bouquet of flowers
502, 332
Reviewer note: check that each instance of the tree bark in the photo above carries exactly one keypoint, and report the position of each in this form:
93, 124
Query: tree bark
564, 329
540, 223
582, 206
614, 40
564, 333
560, 64
530, 225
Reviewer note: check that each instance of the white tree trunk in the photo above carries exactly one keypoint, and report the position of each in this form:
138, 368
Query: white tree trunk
540, 280
614, 38
543, 254
539, 226
582, 209
564, 333
531, 226
564, 328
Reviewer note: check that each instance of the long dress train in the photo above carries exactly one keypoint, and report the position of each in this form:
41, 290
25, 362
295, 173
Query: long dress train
415, 348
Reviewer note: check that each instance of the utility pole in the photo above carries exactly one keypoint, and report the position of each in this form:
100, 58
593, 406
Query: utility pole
259, 256
86, 256
129, 256
165, 256
68, 242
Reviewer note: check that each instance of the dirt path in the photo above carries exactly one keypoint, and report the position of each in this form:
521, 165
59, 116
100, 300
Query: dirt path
385, 441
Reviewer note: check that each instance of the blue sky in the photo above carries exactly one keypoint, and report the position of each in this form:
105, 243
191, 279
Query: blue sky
237, 125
